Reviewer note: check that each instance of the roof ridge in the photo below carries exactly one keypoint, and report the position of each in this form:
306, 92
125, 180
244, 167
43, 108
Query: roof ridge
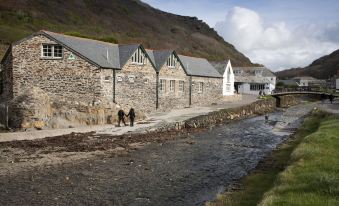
87, 39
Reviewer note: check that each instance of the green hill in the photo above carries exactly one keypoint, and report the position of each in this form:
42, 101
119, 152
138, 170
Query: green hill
122, 21
321, 68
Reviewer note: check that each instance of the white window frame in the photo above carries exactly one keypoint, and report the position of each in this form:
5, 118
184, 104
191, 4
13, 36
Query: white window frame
162, 85
181, 86
200, 87
131, 78
172, 86
171, 61
228, 87
52, 51
138, 57
119, 78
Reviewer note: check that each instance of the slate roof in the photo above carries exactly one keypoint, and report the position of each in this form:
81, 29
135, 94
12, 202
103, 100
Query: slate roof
251, 70
159, 57
248, 75
304, 78
220, 66
104, 54
198, 67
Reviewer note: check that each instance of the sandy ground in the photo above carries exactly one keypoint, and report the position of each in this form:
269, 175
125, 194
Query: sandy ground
178, 168
152, 121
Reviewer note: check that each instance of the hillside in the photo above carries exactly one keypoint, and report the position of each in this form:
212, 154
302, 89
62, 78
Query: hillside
122, 21
321, 68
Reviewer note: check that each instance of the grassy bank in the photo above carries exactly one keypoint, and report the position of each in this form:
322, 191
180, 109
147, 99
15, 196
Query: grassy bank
254, 186
313, 176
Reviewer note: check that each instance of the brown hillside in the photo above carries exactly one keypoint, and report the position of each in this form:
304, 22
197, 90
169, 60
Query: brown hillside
123, 21
321, 68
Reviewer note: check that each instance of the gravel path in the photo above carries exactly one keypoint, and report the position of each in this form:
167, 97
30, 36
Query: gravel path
185, 171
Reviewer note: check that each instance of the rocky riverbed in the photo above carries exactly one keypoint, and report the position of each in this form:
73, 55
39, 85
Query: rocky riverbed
169, 169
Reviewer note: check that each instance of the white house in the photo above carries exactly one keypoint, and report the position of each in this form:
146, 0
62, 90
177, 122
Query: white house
225, 69
252, 80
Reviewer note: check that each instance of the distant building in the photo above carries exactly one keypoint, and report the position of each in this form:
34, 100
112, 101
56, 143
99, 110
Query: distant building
309, 82
337, 81
225, 69
252, 80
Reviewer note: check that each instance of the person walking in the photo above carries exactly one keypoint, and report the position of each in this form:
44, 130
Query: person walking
131, 115
331, 98
121, 116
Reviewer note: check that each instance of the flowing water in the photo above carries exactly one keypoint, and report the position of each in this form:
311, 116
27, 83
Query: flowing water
178, 172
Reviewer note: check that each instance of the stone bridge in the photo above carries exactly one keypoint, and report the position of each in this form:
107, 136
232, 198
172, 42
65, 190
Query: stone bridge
278, 95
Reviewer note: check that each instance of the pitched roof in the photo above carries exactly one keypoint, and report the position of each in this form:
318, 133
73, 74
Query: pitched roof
220, 66
159, 57
103, 54
251, 71
198, 67
304, 78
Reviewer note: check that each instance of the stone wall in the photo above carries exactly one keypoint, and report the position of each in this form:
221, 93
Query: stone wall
137, 87
289, 100
173, 99
257, 108
7, 79
212, 91
63, 78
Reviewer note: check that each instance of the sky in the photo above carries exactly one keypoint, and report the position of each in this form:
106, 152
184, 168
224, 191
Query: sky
280, 34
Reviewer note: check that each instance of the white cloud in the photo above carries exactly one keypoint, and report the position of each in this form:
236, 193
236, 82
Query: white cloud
277, 46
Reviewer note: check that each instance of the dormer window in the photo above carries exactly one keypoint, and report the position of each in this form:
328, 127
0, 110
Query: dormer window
171, 61
257, 72
138, 57
237, 72
53, 51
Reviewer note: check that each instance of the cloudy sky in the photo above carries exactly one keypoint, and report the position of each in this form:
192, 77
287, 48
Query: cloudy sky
277, 33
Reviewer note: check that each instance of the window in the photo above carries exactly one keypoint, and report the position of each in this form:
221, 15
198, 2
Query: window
172, 86
52, 51
131, 78
181, 86
162, 86
237, 72
119, 78
257, 72
257, 87
138, 57
228, 87
171, 61
228, 75
200, 87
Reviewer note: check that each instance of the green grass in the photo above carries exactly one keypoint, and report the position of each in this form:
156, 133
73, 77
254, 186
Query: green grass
264, 177
313, 176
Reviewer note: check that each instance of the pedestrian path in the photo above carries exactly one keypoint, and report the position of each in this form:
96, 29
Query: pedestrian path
153, 120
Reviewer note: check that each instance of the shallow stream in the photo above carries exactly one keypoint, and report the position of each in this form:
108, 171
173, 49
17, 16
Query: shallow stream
181, 172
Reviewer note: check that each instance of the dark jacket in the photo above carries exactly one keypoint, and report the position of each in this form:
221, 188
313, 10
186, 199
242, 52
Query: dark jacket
121, 113
131, 114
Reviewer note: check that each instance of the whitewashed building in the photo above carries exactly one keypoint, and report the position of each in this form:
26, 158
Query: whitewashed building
252, 80
225, 69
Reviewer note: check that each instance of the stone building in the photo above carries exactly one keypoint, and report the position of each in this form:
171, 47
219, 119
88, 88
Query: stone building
83, 75
252, 80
